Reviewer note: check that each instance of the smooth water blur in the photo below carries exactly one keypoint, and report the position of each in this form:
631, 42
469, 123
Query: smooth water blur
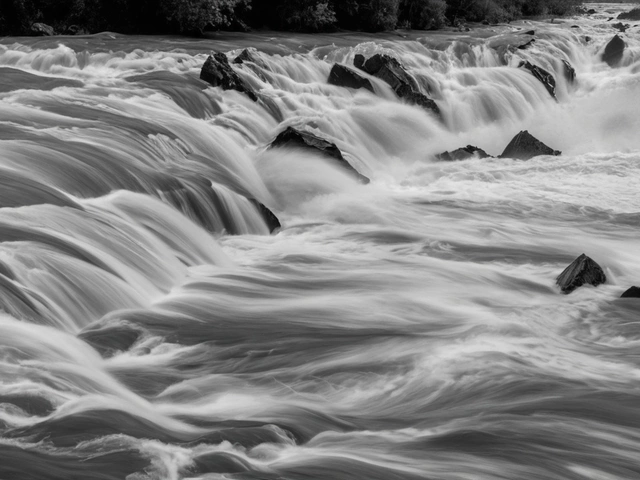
406, 329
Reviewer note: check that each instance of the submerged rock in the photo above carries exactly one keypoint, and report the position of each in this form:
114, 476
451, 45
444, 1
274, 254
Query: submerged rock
463, 154
42, 30
613, 51
217, 71
524, 46
292, 137
620, 26
583, 270
404, 85
569, 71
542, 75
342, 76
111, 339
269, 217
633, 292
525, 146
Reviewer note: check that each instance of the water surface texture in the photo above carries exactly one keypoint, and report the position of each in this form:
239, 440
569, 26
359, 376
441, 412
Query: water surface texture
152, 328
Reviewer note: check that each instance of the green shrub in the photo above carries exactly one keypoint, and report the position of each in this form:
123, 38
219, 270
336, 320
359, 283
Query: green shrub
422, 14
307, 15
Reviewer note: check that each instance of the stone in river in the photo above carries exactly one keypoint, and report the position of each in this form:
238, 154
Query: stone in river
583, 270
525, 146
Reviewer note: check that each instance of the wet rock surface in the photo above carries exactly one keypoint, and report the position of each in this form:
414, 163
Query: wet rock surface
525, 146
343, 76
292, 137
583, 270
217, 71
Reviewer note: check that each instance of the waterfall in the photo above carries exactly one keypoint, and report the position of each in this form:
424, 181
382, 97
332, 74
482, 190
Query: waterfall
153, 327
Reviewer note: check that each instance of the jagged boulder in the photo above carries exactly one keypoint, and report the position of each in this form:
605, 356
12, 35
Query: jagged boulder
404, 85
291, 137
217, 71
245, 56
633, 292
42, 30
463, 153
342, 76
583, 270
613, 51
525, 146
569, 71
542, 75
268, 216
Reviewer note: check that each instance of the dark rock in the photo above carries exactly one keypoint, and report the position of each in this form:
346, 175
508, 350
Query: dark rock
292, 137
524, 46
541, 74
245, 56
463, 153
111, 339
591, 11
587, 38
404, 85
529, 32
569, 72
613, 51
575, 26
525, 146
76, 30
633, 292
345, 77
582, 270
42, 30
359, 61
268, 216
620, 26
217, 71
631, 15
418, 98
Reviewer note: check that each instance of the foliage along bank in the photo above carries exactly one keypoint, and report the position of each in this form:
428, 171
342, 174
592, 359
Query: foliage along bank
195, 16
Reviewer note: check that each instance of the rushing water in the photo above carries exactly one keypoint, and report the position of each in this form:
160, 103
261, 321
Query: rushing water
405, 329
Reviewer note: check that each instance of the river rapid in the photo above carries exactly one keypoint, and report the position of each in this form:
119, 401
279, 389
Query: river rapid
152, 328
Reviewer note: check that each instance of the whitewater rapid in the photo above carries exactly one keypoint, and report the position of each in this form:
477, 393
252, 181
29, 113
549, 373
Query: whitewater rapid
152, 328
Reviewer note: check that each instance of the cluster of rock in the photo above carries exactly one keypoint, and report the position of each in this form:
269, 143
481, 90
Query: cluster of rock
43, 30
217, 71
523, 146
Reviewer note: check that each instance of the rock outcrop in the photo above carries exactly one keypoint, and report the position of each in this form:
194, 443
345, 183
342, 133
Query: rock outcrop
292, 137
404, 85
630, 15
583, 270
525, 146
268, 216
342, 76
217, 71
542, 75
463, 153
613, 51
42, 30
633, 292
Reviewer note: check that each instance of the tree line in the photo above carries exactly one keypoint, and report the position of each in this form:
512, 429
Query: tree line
196, 16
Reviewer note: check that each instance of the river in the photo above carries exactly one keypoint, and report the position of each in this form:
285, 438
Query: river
152, 328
